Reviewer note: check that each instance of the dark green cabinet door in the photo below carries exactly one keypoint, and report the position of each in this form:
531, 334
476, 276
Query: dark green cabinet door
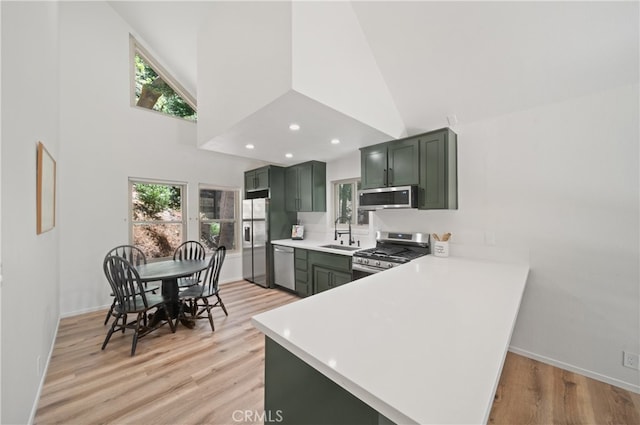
303, 283
438, 172
340, 278
305, 187
321, 279
292, 188
262, 178
404, 162
373, 166
257, 179
325, 278
250, 180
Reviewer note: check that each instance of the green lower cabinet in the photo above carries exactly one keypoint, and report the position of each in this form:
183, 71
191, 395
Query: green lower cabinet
329, 270
321, 279
304, 286
317, 271
340, 278
325, 278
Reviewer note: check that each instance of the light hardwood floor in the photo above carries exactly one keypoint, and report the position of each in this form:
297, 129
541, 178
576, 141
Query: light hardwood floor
196, 376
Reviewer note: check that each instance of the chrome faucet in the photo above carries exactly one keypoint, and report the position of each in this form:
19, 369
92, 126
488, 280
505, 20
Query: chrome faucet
343, 232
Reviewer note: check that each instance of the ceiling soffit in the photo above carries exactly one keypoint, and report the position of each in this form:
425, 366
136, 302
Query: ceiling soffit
256, 58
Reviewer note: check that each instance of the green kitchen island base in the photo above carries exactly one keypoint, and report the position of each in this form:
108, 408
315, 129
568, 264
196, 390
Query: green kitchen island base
295, 393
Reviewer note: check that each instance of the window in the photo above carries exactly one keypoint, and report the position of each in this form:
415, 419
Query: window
157, 224
218, 212
346, 203
155, 89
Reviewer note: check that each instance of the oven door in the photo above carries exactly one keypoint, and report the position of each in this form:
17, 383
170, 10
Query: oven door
359, 271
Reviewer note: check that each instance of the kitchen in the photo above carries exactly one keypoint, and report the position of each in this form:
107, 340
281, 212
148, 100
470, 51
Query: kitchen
527, 186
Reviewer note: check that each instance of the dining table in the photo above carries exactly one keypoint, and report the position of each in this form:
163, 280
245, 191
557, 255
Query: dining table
169, 271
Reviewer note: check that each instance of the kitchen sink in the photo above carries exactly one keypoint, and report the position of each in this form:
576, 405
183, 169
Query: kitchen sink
342, 247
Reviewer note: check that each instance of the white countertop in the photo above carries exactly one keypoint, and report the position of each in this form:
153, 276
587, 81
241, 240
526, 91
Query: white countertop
316, 245
420, 343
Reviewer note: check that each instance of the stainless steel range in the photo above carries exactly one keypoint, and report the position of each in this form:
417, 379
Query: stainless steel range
392, 249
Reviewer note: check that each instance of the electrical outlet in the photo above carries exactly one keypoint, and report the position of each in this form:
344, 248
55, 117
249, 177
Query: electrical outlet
630, 360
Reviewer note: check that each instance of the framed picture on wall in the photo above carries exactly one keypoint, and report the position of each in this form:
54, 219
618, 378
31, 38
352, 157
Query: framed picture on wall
45, 191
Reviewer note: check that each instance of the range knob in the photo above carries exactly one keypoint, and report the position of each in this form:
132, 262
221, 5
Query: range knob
358, 260
389, 265
365, 261
378, 263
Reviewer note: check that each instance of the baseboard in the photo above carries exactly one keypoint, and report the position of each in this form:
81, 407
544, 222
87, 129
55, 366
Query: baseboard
84, 310
231, 280
571, 368
34, 408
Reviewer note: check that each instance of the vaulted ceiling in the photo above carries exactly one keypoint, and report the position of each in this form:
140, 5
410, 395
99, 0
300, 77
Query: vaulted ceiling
439, 63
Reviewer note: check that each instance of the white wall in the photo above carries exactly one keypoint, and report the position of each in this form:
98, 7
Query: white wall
30, 285
558, 188
104, 142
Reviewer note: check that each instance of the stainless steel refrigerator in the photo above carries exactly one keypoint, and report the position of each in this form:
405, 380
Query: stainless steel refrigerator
255, 240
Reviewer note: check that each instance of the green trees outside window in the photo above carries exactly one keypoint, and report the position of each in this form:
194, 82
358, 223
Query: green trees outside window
157, 225
218, 218
156, 90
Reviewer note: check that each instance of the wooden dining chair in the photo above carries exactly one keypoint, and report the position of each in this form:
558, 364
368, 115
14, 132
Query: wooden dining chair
195, 299
135, 256
189, 250
132, 298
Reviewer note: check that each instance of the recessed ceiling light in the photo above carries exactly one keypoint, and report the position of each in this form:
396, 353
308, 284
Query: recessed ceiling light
249, 146
294, 127
289, 155
335, 141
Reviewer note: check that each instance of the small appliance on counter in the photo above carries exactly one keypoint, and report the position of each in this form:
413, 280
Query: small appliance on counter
297, 232
392, 249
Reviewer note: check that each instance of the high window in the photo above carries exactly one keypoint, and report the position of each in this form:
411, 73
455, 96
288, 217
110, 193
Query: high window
154, 88
157, 216
346, 203
218, 217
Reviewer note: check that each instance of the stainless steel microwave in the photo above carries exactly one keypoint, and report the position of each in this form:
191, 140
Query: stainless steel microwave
388, 197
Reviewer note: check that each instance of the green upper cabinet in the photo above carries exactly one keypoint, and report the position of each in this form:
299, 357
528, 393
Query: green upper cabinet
373, 166
390, 164
306, 187
403, 161
438, 187
257, 179
428, 160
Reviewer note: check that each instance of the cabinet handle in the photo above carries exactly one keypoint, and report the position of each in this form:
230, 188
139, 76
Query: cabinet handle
384, 177
390, 176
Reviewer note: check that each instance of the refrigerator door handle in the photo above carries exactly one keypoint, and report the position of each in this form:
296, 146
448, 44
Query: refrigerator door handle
247, 234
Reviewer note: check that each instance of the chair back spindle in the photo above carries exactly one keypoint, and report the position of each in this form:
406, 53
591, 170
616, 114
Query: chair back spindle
125, 283
189, 250
132, 254
212, 276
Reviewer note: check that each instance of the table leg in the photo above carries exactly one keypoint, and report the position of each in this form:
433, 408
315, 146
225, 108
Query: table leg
171, 291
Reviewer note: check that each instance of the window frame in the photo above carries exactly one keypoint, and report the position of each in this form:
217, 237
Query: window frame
236, 214
136, 48
355, 201
183, 207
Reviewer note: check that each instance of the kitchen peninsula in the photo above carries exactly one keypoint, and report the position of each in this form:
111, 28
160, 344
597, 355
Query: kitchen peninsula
421, 343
